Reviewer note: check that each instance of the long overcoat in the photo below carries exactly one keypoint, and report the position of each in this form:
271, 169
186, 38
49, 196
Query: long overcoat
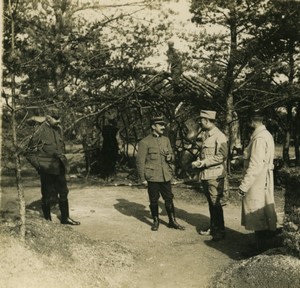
258, 206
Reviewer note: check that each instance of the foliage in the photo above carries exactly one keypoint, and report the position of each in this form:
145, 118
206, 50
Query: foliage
108, 60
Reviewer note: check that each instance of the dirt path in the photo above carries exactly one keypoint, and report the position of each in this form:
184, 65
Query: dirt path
166, 258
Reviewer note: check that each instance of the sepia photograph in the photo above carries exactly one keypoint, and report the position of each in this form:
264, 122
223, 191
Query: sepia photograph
150, 144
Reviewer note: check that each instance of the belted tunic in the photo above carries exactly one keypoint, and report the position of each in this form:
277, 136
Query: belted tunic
258, 206
214, 154
151, 159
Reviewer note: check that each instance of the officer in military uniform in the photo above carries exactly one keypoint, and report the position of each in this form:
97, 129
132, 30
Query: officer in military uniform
153, 163
46, 154
212, 166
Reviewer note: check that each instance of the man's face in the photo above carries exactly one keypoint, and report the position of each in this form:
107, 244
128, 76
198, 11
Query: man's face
251, 123
158, 128
204, 123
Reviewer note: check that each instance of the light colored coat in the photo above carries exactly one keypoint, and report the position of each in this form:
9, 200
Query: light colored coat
258, 207
214, 154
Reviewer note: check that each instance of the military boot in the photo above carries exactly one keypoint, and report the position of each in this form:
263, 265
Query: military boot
171, 214
65, 218
46, 211
154, 213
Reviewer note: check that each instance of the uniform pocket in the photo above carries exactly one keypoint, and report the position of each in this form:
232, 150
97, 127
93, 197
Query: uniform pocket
153, 153
208, 149
149, 173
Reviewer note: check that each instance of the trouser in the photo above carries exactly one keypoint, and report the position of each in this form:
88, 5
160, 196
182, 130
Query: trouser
54, 185
213, 190
155, 189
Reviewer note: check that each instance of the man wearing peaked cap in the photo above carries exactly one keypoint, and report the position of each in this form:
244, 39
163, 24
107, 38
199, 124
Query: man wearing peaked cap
212, 171
154, 167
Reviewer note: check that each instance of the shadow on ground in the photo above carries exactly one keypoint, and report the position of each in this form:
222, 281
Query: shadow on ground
133, 209
233, 245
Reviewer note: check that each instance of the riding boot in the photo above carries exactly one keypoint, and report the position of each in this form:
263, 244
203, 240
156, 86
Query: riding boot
65, 218
171, 214
154, 213
218, 227
46, 211
261, 241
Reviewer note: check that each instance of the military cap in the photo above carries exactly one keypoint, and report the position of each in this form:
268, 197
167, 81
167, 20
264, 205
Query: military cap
257, 115
157, 120
208, 114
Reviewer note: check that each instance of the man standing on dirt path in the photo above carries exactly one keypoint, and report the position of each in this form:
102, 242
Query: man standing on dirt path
153, 163
212, 165
257, 187
46, 155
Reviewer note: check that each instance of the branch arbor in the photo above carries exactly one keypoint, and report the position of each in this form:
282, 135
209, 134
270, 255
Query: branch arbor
49, 57
151, 92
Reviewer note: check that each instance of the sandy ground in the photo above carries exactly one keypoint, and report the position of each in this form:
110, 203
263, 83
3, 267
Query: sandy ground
162, 259
168, 257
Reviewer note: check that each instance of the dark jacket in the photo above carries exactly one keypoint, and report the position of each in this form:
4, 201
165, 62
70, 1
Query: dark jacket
46, 149
151, 159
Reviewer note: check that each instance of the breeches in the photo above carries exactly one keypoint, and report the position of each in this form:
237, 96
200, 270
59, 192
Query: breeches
213, 190
155, 189
53, 185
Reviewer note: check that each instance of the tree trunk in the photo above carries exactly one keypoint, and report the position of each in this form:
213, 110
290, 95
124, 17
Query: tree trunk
1, 113
297, 136
289, 131
20, 189
287, 138
228, 83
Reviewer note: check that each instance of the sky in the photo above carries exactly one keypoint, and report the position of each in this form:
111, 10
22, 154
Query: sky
178, 14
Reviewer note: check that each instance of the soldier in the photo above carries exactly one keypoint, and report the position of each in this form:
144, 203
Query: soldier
257, 187
110, 149
153, 163
212, 166
46, 154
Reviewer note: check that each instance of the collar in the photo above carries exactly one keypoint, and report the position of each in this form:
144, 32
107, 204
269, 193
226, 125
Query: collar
156, 135
212, 131
258, 130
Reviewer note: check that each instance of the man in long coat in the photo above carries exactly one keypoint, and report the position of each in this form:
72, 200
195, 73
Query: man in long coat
257, 188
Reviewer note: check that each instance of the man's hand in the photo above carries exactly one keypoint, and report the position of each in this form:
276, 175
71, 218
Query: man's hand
198, 164
201, 164
145, 183
195, 164
169, 158
242, 194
